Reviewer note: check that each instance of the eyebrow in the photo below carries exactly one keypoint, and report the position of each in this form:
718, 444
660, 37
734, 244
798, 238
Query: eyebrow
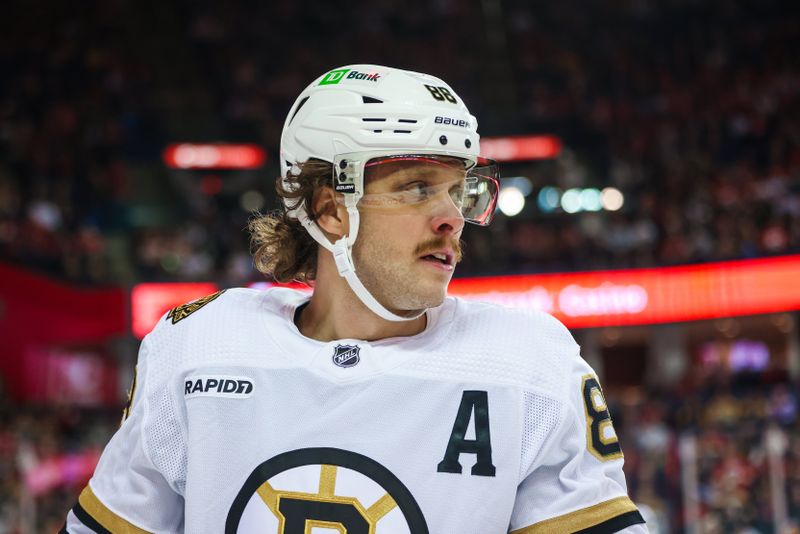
417, 173
429, 172
425, 172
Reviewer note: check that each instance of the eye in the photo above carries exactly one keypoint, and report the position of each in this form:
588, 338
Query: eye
457, 193
417, 191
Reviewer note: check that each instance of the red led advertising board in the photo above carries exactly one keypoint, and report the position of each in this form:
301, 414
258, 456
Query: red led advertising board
588, 299
150, 301
521, 148
644, 296
214, 156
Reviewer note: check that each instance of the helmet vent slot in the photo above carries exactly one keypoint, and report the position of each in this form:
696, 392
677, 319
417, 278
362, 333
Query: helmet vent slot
377, 131
402, 131
300, 105
370, 100
409, 121
373, 119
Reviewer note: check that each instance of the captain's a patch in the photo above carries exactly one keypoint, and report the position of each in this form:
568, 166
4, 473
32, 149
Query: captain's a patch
179, 313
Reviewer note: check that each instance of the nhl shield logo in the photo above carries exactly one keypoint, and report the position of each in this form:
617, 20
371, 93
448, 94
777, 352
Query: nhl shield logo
346, 355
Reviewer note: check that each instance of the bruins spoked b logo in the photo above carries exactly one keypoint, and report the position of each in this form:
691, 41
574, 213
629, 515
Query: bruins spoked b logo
324, 490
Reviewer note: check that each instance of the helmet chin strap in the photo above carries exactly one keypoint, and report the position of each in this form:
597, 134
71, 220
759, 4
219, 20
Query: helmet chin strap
342, 255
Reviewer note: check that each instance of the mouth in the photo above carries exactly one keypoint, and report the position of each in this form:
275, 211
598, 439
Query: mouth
443, 259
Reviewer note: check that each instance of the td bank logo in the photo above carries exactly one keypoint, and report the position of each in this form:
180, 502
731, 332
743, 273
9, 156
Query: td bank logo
335, 76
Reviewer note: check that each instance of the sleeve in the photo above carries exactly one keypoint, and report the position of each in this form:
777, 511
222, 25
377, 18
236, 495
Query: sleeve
573, 481
133, 490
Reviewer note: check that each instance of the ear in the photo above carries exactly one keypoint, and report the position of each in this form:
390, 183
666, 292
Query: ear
331, 215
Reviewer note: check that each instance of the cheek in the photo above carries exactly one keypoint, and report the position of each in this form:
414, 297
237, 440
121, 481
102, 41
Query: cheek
388, 232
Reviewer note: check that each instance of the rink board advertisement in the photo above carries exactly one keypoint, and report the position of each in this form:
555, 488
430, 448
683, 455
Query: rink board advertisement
646, 296
588, 299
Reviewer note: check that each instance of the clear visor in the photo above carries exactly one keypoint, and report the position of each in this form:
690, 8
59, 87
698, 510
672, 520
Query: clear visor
419, 182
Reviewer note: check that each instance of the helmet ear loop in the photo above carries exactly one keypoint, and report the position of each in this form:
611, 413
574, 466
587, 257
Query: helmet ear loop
351, 203
342, 249
354, 221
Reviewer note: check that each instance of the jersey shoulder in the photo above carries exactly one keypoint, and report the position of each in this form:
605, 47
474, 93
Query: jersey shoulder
524, 348
528, 324
227, 326
205, 313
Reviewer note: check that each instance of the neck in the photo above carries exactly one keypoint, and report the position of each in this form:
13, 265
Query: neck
335, 312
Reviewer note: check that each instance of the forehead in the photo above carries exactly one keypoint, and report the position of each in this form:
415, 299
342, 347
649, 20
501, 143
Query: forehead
418, 167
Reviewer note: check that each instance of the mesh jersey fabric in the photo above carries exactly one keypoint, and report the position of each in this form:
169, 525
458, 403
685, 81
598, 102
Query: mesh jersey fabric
478, 424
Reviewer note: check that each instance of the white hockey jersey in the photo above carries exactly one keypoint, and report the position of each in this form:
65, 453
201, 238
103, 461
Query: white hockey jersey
489, 421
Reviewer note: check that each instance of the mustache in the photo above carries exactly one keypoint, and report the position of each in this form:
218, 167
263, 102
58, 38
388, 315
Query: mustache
438, 243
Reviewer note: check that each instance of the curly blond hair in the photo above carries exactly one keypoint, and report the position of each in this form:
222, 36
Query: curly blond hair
281, 247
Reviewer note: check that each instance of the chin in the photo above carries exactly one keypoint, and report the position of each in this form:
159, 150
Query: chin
430, 299
414, 300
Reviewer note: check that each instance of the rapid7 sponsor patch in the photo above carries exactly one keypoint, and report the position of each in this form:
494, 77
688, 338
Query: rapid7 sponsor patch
232, 387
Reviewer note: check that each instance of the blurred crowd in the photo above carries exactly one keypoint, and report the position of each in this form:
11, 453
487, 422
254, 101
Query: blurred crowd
74, 121
690, 108
30, 437
726, 444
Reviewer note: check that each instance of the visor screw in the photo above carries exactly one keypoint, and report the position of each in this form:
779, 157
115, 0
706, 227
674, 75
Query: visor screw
343, 164
342, 177
467, 143
443, 139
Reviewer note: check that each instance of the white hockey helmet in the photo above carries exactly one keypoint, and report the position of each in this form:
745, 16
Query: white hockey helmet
357, 114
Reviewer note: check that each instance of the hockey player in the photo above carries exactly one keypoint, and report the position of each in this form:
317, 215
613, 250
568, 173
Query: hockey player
377, 404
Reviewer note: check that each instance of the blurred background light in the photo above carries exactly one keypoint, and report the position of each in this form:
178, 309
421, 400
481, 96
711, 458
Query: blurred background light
251, 201
590, 200
511, 201
522, 183
548, 199
612, 199
571, 201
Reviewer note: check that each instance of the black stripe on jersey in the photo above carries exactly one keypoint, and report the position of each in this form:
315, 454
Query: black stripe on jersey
615, 524
88, 520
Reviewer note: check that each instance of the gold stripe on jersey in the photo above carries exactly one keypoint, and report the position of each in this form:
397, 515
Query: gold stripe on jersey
327, 480
269, 496
581, 519
108, 519
381, 507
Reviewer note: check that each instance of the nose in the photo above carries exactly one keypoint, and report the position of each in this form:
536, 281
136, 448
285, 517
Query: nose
446, 216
